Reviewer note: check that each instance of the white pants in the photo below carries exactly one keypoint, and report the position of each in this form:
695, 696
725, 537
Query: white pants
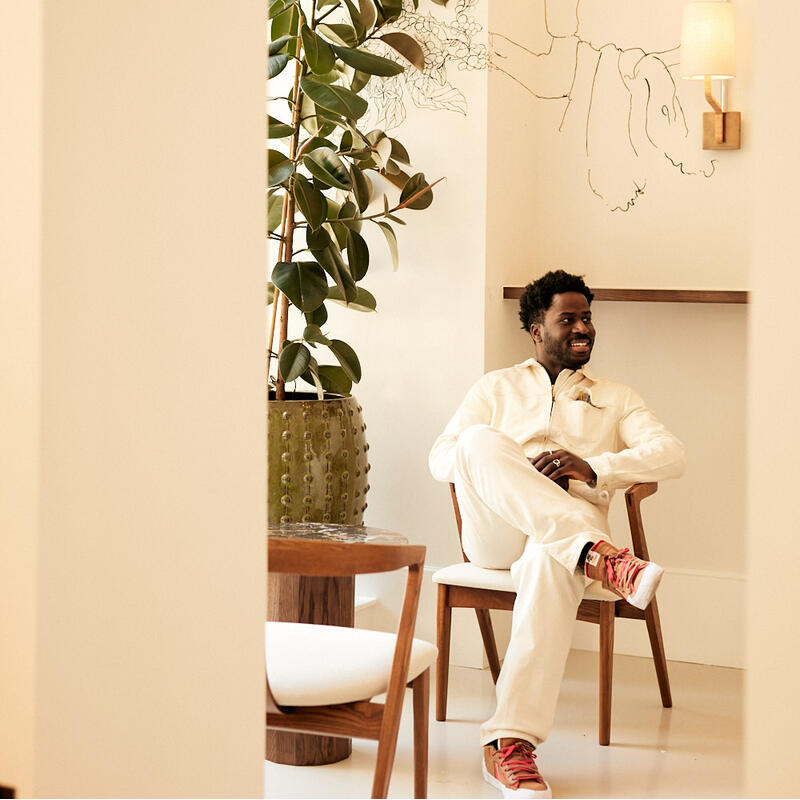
514, 517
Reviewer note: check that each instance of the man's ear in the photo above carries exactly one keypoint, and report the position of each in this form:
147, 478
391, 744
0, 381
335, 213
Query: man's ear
536, 332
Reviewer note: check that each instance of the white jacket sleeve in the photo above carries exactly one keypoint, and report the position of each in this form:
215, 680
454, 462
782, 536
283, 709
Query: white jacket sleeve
652, 453
475, 409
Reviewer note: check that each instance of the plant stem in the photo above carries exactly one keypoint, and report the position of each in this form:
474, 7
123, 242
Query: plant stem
306, 143
280, 386
375, 30
327, 13
288, 237
398, 207
278, 294
280, 389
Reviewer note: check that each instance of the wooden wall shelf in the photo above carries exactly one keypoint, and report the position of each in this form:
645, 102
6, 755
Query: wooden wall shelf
654, 295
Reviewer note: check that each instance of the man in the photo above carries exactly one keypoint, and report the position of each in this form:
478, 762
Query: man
536, 452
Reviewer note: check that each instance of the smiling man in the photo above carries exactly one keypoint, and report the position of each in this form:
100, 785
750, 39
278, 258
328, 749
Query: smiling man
536, 452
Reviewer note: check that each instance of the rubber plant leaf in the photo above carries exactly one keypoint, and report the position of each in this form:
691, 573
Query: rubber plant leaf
347, 357
319, 53
334, 98
303, 282
364, 61
294, 360
407, 47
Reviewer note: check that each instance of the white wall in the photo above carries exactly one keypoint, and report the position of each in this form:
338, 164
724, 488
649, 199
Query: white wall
136, 525
424, 347
683, 231
688, 361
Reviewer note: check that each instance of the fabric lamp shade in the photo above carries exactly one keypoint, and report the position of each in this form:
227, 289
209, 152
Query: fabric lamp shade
707, 39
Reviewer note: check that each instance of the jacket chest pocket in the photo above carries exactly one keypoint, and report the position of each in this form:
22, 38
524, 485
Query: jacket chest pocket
583, 426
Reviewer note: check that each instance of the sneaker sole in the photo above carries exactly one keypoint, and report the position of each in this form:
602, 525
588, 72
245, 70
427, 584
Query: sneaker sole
544, 794
651, 577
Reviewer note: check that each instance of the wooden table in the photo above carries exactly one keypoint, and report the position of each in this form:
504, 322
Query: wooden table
321, 601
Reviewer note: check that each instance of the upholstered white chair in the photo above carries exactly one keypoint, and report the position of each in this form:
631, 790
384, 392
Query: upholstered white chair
322, 678
466, 585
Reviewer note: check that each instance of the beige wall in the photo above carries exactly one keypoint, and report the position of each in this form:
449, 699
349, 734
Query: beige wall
143, 673
20, 325
773, 693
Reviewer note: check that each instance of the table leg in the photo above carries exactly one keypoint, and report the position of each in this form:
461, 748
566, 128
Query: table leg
321, 601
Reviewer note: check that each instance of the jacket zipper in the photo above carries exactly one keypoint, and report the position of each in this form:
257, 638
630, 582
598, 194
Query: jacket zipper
550, 415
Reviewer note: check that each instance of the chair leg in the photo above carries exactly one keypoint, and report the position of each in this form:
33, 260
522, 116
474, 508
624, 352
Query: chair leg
489, 643
387, 747
659, 658
421, 687
606, 669
443, 617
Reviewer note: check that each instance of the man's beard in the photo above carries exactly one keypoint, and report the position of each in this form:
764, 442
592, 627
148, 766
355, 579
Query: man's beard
561, 352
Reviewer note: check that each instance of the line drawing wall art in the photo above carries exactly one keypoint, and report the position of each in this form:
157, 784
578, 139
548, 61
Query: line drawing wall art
455, 43
623, 100
619, 101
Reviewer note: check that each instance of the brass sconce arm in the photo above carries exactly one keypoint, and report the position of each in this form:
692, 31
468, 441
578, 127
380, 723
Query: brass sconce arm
719, 116
712, 101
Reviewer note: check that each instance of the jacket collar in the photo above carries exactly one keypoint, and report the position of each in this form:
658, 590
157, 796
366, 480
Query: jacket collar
535, 365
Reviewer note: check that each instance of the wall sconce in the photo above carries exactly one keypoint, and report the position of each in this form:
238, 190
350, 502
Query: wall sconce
707, 52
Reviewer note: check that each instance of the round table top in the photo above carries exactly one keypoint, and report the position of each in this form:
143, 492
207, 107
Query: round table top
327, 532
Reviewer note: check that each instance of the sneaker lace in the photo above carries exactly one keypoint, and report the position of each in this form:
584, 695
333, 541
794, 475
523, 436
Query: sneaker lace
623, 568
519, 762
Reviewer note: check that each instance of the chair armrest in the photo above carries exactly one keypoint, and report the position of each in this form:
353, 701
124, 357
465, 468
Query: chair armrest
639, 491
633, 498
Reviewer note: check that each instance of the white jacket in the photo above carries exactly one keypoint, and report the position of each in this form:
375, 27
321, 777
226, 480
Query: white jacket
605, 423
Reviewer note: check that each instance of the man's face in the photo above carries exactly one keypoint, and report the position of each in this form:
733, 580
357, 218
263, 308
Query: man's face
566, 337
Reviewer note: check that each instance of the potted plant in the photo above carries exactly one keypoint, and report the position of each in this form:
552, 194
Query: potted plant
321, 194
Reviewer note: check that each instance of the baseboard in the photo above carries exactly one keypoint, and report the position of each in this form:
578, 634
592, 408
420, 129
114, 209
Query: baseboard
702, 619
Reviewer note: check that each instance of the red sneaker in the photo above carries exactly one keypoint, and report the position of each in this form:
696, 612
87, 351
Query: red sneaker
512, 769
620, 571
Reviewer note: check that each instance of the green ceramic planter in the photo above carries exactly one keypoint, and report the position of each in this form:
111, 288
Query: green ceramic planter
317, 460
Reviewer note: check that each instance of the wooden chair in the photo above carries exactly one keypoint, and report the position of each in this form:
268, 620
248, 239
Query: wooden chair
321, 678
468, 586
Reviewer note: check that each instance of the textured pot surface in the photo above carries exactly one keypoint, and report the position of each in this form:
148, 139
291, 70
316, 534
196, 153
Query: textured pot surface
317, 460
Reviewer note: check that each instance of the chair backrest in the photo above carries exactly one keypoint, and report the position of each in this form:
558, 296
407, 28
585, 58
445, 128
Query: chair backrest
339, 559
457, 512
633, 498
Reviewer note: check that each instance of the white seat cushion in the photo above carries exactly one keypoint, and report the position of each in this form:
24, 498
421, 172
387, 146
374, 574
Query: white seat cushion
467, 574
318, 665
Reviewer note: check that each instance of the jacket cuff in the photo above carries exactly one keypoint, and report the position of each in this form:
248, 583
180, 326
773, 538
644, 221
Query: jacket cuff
602, 486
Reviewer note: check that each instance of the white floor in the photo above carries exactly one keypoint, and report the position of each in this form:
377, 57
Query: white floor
691, 750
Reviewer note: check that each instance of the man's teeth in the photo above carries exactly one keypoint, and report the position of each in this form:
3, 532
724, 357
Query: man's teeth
580, 344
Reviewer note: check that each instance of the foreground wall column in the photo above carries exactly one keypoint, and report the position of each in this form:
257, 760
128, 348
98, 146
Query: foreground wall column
773, 693
20, 327
139, 527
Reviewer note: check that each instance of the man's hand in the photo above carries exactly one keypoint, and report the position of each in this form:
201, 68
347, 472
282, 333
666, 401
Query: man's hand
561, 465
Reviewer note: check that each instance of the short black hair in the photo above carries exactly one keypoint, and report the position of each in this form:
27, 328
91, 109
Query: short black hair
537, 297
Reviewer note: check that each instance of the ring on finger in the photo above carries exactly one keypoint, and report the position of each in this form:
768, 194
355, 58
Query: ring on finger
556, 462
